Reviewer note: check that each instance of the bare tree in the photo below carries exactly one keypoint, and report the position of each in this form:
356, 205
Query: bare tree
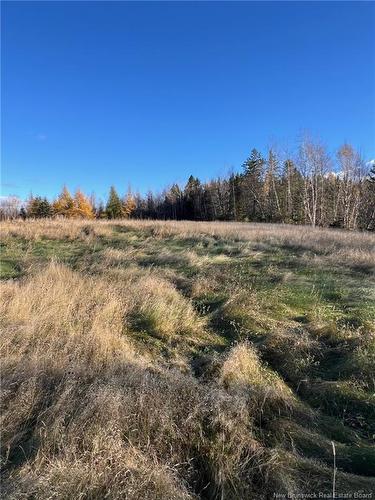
351, 175
10, 207
313, 164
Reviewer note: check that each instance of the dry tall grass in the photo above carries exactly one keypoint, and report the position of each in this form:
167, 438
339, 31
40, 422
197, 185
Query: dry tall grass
84, 413
88, 414
351, 246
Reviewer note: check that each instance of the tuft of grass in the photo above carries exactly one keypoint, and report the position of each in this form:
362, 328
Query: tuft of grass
160, 310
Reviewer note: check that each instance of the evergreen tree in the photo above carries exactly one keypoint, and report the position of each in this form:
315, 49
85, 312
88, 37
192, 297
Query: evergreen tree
254, 164
173, 202
38, 207
114, 208
23, 213
151, 207
251, 192
367, 209
100, 210
307, 190
140, 206
32, 206
291, 197
237, 201
45, 208
193, 199
271, 201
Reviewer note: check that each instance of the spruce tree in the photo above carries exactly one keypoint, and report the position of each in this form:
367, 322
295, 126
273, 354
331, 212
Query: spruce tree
254, 164
32, 207
251, 186
45, 208
114, 208
193, 198
23, 213
38, 207
100, 211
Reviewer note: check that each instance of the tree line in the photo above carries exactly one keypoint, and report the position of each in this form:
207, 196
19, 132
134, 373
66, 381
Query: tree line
309, 188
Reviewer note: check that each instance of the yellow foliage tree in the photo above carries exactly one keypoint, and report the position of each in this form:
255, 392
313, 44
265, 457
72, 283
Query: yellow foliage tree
129, 204
82, 206
64, 204
70, 207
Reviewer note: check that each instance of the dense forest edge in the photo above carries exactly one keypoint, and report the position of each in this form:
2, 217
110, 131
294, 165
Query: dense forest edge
307, 187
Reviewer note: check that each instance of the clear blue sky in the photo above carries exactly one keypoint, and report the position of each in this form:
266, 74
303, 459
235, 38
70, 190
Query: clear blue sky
95, 93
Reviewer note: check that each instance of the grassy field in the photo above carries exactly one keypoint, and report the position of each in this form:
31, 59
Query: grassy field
162, 360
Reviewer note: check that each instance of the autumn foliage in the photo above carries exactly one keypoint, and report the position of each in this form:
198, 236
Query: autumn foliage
308, 186
78, 206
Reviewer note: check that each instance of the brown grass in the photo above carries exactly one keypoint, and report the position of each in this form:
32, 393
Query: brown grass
352, 247
90, 412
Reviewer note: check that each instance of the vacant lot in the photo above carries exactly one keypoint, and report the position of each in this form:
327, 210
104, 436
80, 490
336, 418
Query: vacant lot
152, 360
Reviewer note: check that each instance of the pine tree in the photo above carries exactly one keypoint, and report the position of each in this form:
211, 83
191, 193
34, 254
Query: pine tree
114, 208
